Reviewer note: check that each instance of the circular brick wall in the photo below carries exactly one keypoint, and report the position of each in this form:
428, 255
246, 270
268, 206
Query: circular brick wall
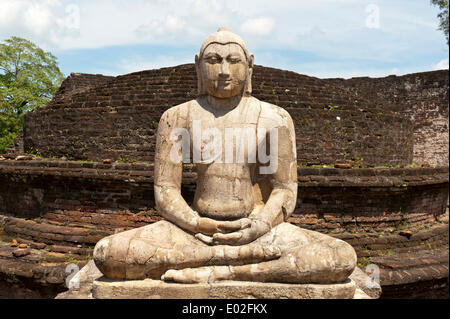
121, 195
119, 119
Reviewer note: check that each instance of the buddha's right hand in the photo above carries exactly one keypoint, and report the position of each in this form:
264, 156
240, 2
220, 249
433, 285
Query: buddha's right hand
208, 226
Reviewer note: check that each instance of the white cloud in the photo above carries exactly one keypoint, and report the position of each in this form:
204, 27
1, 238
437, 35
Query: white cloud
394, 71
45, 22
134, 65
137, 63
262, 26
345, 69
170, 25
332, 30
441, 65
38, 17
107, 23
8, 11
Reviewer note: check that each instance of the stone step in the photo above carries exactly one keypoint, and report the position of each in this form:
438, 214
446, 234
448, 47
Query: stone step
40, 231
40, 266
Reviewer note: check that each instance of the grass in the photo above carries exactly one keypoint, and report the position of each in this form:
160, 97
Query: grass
361, 159
126, 160
72, 261
413, 165
365, 261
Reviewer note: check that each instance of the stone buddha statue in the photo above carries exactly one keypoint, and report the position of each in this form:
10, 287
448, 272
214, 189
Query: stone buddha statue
236, 228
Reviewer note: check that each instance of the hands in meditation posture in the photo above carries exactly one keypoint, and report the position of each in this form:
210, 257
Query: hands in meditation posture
236, 228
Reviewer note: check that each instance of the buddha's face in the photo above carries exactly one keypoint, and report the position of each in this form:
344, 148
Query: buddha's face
224, 69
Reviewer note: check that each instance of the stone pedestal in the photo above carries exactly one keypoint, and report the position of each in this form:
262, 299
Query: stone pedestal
89, 283
104, 288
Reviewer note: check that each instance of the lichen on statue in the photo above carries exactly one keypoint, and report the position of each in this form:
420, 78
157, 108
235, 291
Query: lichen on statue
236, 227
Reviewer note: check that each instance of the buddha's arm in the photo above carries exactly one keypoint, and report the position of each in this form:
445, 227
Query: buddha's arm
283, 182
281, 202
167, 184
168, 174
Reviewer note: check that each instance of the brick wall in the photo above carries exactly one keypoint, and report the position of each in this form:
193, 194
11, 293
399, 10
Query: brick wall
119, 119
421, 97
110, 196
77, 83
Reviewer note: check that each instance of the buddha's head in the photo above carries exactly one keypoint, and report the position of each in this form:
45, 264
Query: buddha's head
224, 66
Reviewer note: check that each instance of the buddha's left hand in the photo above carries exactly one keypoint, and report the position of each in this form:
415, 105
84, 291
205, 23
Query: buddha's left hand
257, 228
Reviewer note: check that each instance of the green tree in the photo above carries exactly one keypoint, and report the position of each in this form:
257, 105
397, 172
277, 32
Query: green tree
10, 125
29, 77
443, 15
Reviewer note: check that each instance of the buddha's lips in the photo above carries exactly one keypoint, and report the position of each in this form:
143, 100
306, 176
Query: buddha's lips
227, 82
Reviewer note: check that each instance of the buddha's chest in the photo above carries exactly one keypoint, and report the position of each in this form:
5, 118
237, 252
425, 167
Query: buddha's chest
227, 138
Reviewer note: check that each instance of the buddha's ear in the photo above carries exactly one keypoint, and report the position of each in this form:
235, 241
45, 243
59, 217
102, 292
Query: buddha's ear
248, 82
199, 76
197, 64
197, 61
251, 61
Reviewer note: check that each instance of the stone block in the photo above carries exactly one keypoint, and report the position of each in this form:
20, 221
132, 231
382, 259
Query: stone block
365, 285
104, 288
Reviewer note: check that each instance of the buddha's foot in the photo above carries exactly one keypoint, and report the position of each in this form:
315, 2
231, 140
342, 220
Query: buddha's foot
199, 275
245, 254
252, 253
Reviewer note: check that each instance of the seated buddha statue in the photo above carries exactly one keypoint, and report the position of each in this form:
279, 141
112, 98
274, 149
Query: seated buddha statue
236, 227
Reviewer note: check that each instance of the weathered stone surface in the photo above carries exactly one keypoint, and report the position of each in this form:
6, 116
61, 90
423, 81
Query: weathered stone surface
82, 283
369, 215
343, 165
24, 192
21, 252
236, 227
406, 233
41, 271
23, 158
137, 99
155, 289
360, 294
421, 97
365, 285
80, 286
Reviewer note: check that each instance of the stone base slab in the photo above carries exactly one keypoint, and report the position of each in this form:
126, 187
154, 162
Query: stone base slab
81, 287
104, 288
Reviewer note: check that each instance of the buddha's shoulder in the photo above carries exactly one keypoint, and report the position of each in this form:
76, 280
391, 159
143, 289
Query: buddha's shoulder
180, 111
274, 115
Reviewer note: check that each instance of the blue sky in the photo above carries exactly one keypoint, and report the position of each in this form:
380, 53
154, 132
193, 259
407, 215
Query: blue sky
323, 38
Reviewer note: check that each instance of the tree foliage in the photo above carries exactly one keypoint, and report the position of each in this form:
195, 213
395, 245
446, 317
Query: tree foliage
10, 125
29, 77
443, 15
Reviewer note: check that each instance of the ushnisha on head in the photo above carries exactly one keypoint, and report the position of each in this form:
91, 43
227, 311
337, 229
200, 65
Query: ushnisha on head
224, 66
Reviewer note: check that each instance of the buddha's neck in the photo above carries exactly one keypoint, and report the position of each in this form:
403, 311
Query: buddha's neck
224, 104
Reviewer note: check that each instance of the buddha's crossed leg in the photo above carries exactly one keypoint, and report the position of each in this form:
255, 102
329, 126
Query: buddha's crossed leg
149, 251
306, 257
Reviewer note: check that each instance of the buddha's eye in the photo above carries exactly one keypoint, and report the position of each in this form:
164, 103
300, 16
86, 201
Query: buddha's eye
234, 59
212, 59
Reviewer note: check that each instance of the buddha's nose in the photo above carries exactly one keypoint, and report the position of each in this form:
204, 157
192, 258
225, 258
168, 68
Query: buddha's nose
224, 69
